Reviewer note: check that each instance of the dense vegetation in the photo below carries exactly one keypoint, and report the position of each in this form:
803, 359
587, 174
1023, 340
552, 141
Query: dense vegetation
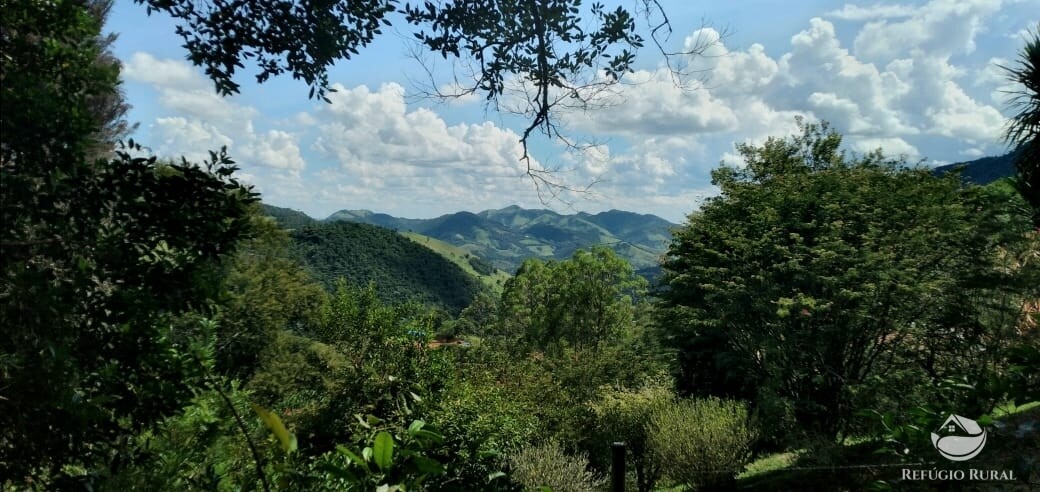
401, 270
816, 280
162, 332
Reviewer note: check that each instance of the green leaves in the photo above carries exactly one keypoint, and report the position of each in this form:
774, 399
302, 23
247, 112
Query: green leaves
399, 462
106, 259
581, 301
803, 284
275, 425
383, 451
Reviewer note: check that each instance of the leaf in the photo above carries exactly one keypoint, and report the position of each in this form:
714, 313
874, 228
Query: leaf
383, 451
493, 476
352, 457
274, 423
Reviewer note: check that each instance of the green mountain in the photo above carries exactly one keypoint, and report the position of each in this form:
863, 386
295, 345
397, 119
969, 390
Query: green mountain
507, 236
287, 217
402, 269
984, 170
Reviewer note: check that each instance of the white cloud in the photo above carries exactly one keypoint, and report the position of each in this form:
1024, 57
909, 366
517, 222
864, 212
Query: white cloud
851, 12
143, 67
193, 139
203, 121
1026, 32
892, 147
276, 149
374, 133
940, 27
654, 105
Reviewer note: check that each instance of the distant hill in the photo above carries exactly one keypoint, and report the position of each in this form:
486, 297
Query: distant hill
287, 217
492, 278
402, 269
505, 237
983, 171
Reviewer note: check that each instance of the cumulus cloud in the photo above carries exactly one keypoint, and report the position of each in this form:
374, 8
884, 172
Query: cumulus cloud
940, 27
374, 132
903, 83
202, 121
896, 85
144, 67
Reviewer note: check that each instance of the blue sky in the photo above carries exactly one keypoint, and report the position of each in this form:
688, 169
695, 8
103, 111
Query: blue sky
914, 78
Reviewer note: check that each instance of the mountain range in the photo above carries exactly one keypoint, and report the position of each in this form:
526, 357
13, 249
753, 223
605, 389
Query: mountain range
506, 237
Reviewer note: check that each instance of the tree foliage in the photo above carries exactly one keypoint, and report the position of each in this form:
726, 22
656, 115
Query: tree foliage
266, 291
107, 266
583, 301
1023, 131
554, 54
109, 108
816, 280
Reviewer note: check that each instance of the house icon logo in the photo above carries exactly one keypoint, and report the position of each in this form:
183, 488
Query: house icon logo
959, 438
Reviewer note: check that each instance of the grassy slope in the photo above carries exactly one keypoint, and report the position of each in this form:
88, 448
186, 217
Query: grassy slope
457, 255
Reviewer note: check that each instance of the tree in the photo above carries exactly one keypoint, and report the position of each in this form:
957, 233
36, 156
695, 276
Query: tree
107, 266
110, 107
580, 302
266, 292
555, 52
1023, 131
819, 283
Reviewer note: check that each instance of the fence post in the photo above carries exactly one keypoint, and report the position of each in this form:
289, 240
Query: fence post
617, 467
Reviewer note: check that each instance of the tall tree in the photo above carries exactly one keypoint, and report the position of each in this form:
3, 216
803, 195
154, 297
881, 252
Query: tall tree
1023, 131
106, 266
817, 284
109, 107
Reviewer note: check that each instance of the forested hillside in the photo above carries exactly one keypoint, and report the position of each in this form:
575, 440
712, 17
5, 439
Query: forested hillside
402, 270
983, 170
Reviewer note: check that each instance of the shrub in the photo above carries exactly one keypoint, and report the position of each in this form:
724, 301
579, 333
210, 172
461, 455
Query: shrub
481, 421
624, 415
546, 465
701, 442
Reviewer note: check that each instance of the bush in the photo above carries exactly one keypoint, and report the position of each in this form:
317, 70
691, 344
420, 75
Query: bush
481, 421
624, 415
701, 442
546, 465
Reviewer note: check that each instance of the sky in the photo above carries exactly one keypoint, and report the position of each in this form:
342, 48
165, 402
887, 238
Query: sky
916, 79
